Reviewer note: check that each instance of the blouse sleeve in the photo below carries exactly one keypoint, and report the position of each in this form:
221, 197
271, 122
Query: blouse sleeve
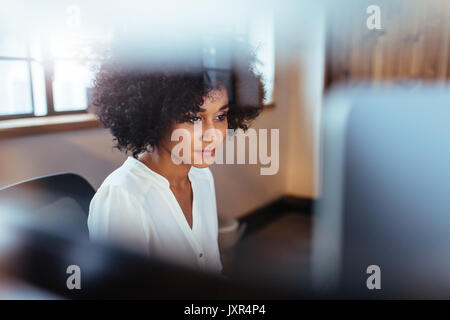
115, 216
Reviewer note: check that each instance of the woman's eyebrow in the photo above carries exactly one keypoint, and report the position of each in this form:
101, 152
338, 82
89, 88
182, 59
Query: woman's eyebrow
221, 108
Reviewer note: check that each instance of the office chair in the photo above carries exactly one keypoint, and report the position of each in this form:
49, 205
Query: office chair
57, 202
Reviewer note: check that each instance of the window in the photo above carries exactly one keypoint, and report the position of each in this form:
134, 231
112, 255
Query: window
262, 37
40, 77
260, 33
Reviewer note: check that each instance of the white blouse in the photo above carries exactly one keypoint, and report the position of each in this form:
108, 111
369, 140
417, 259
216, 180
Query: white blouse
134, 207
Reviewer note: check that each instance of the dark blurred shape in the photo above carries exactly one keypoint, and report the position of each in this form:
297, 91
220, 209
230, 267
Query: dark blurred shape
58, 202
41, 259
385, 197
43, 231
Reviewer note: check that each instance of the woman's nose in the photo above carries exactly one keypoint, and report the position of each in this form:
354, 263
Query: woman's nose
210, 133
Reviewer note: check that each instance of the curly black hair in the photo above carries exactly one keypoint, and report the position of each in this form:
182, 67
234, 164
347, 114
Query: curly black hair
139, 104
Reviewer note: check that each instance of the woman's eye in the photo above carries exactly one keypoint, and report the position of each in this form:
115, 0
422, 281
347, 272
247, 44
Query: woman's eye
194, 119
222, 116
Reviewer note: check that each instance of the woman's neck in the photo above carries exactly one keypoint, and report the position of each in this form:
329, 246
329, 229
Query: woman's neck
160, 161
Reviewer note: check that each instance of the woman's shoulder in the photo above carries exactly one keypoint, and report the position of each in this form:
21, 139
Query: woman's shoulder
124, 179
113, 201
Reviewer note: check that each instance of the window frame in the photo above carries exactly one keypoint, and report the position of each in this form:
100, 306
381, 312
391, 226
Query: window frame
28, 60
48, 69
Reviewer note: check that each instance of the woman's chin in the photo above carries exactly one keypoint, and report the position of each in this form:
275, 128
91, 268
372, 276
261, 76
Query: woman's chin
206, 162
201, 165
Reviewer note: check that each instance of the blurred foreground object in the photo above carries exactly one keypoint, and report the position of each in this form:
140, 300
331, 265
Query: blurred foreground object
39, 259
385, 194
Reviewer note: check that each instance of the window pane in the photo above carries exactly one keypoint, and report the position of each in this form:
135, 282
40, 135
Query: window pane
12, 45
39, 94
64, 45
15, 91
70, 84
35, 48
262, 37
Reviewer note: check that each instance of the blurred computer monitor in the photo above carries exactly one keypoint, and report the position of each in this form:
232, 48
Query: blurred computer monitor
385, 194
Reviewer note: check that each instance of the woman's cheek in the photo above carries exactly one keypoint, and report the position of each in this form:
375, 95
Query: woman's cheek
224, 130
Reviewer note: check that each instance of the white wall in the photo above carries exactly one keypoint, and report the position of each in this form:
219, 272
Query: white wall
86, 152
305, 104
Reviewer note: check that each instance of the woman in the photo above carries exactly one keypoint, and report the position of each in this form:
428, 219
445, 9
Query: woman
161, 202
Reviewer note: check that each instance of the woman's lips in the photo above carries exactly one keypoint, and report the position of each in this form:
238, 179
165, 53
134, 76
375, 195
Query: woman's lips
210, 152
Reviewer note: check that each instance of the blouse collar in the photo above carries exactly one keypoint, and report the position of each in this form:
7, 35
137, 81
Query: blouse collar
135, 163
143, 169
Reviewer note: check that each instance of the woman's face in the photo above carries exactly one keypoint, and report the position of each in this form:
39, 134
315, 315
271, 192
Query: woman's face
196, 141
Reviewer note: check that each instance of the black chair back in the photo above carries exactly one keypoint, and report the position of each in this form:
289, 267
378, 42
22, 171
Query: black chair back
59, 202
